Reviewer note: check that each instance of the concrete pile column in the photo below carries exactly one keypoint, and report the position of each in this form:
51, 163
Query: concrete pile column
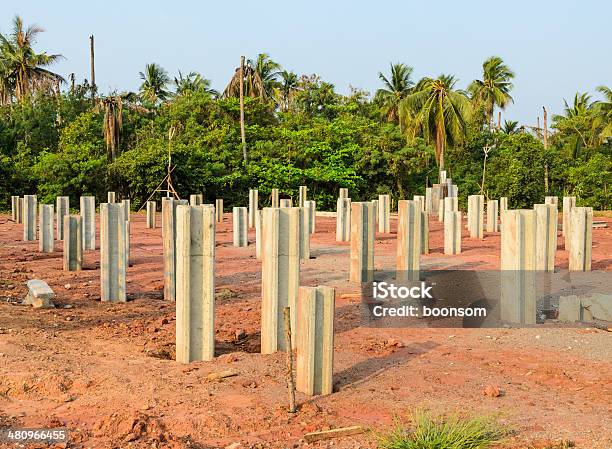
239, 221
546, 236
113, 259
476, 216
343, 220
196, 199
126, 209
518, 264
303, 196
46, 240
14, 208
569, 202
73, 243
88, 212
312, 211
492, 206
315, 340
441, 210
258, 235
503, 207
274, 198
195, 283
375, 206
169, 244
253, 206
20, 210
424, 231
452, 231
420, 199
429, 200
384, 214
30, 204
451, 204
286, 202
363, 235
111, 197
408, 240
62, 208
304, 233
280, 262
438, 192
128, 262
343, 193
552, 200
580, 234
219, 210
151, 212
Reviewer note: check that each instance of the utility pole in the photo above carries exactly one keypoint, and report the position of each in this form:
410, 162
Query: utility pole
242, 134
545, 148
92, 66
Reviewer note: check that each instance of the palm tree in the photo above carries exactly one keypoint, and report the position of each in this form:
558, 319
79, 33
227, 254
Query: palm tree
288, 85
259, 78
578, 123
22, 68
494, 88
396, 89
154, 84
440, 112
604, 109
193, 82
268, 70
510, 127
6, 84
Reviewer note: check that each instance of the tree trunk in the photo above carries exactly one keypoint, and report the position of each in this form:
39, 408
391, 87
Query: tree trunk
440, 147
92, 66
242, 134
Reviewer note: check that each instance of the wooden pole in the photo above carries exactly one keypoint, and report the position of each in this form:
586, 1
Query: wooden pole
242, 134
290, 382
498, 120
545, 148
92, 66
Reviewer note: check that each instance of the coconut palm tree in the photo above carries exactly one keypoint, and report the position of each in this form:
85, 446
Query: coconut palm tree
22, 68
259, 78
397, 87
268, 70
193, 82
288, 85
578, 123
154, 85
493, 90
510, 127
440, 112
604, 109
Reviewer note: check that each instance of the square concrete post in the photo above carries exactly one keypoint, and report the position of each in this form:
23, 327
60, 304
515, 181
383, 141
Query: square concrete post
451, 204
453, 190
343, 220
492, 206
441, 210
429, 200
46, 239
343, 193
312, 211
476, 216
408, 240
128, 263
253, 206
384, 214
569, 202
14, 208
420, 199
442, 177
503, 207
280, 265
518, 264
304, 233
151, 212
219, 210
88, 212
375, 206
169, 244
126, 209
286, 202
315, 340
580, 234
20, 210
239, 222
113, 259
73, 242
452, 232
196, 199
303, 196
274, 198
258, 235
425, 231
30, 204
546, 236
552, 200
62, 208
195, 283
363, 235
111, 197
438, 192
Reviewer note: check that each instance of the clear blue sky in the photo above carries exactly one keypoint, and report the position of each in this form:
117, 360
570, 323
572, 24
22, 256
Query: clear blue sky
555, 47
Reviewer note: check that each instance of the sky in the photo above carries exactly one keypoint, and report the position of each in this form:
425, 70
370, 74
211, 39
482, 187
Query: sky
556, 48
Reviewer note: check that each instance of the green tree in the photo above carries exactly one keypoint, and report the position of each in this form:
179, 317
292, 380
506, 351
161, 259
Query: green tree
577, 126
493, 90
395, 89
287, 88
193, 82
604, 111
154, 87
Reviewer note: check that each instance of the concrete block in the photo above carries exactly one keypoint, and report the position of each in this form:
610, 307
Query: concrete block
315, 340
73, 243
408, 241
569, 309
62, 209
88, 212
113, 258
343, 220
476, 216
452, 232
597, 307
39, 295
363, 235
580, 235
46, 240
492, 207
274, 198
384, 214
239, 222
280, 260
546, 236
219, 210
312, 211
303, 196
195, 283
253, 206
151, 214
30, 205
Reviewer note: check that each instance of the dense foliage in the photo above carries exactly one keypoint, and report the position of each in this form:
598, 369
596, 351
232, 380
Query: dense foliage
298, 131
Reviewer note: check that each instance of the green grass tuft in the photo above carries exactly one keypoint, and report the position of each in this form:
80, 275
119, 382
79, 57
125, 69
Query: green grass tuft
454, 432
